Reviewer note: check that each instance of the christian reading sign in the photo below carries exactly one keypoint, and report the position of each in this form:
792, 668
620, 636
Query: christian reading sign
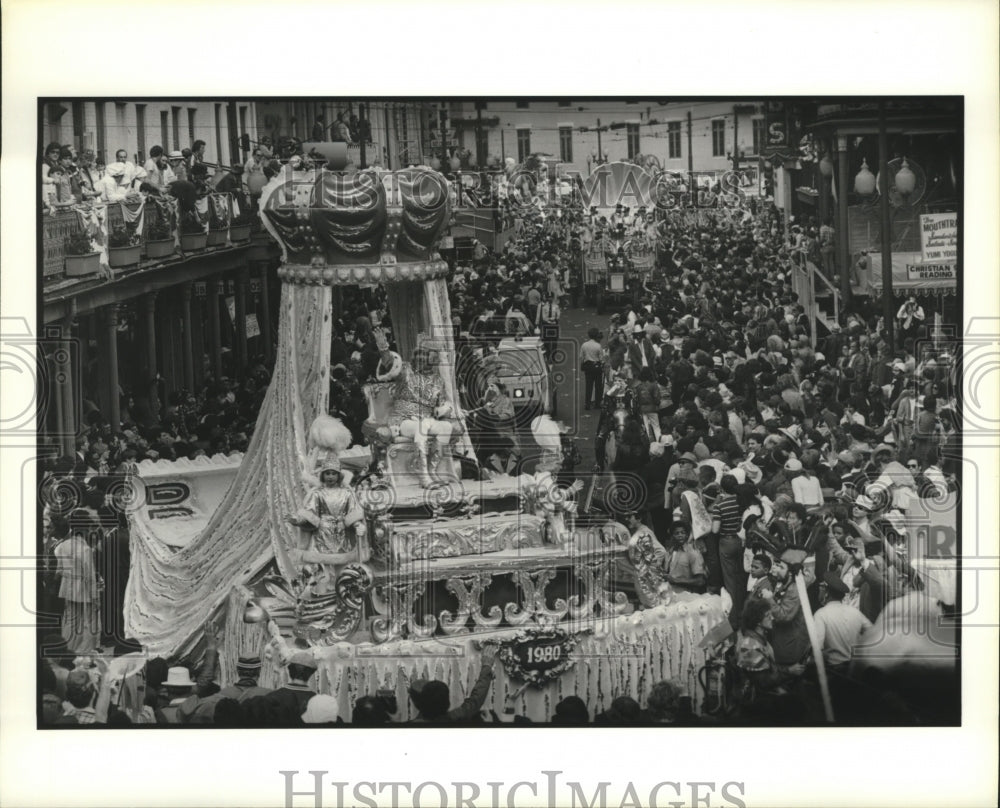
939, 238
930, 272
538, 656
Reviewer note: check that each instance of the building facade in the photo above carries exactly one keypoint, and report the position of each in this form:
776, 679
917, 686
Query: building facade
583, 133
137, 126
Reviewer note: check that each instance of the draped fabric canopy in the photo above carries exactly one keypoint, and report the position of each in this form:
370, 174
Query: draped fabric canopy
171, 593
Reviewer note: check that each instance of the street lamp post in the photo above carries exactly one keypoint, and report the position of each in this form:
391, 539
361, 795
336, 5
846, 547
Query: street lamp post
888, 312
843, 235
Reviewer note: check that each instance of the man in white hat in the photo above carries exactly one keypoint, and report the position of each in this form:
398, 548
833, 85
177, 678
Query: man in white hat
179, 686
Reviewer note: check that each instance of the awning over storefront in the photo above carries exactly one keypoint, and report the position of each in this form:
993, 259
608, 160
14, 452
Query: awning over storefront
912, 275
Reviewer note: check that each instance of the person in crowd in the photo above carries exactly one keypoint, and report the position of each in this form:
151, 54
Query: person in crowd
654, 480
79, 585
432, 698
862, 568
925, 430
763, 674
319, 128
80, 707
322, 710
88, 178
197, 152
909, 318
340, 131
178, 165
370, 711
201, 710
839, 627
789, 635
571, 712
726, 524
684, 564
285, 706
116, 185
547, 318
591, 363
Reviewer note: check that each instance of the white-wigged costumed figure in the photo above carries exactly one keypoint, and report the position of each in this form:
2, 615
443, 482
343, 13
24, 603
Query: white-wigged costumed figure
332, 521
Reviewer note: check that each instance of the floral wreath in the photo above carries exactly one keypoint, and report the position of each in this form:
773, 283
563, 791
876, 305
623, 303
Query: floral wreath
539, 678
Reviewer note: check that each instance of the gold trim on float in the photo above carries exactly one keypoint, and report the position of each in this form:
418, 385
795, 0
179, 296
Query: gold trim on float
360, 274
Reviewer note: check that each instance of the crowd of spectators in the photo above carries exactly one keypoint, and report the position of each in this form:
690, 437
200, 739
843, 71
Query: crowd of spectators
760, 454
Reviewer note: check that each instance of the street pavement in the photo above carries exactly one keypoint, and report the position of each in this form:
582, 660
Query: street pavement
567, 379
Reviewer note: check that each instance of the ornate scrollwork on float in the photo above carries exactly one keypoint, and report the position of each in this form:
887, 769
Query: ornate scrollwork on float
594, 574
469, 590
532, 584
394, 604
313, 609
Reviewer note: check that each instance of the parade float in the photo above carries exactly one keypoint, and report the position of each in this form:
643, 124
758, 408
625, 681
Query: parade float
619, 248
395, 560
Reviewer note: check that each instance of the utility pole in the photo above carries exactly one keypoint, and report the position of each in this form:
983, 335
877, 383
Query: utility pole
736, 139
883, 188
600, 154
388, 146
691, 188
444, 137
480, 151
362, 134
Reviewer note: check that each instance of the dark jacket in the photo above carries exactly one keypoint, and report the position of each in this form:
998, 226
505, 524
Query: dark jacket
789, 637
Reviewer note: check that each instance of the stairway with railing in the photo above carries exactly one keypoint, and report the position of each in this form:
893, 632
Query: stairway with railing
818, 296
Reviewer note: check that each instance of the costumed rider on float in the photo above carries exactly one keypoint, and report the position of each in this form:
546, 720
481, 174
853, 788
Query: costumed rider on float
421, 410
332, 521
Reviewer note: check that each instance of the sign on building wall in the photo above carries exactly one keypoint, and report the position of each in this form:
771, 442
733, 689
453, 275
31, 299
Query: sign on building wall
939, 237
930, 272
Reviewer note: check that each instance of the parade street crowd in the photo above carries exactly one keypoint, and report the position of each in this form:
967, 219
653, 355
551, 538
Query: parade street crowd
752, 452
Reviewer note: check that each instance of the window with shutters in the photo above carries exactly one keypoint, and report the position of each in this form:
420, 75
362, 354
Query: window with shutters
175, 120
140, 132
632, 136
719, 138
165, 130
758, 135
566, 144
523, 144
674, 139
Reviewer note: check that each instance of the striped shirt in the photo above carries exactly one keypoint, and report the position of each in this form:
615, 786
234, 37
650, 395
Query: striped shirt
727, 510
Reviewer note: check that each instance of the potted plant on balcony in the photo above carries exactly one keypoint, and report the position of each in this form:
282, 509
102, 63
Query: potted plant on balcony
193, 235
218, 226
239, 227
159, 240
81, 257
123, 248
